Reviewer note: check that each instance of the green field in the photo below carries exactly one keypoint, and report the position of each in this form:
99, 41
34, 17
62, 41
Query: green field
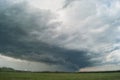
58, 76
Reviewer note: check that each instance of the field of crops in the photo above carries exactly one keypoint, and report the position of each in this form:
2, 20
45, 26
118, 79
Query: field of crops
58, 76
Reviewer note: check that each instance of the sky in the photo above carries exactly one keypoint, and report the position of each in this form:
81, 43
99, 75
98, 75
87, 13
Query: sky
62, 35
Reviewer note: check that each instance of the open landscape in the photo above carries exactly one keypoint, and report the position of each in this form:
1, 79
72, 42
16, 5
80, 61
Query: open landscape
59, 39
59, 76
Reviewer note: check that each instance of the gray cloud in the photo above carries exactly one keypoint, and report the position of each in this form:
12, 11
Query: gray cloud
22, 33
82, 39
96, 31
68, 2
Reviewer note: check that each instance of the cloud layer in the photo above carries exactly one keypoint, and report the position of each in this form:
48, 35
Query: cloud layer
75, 34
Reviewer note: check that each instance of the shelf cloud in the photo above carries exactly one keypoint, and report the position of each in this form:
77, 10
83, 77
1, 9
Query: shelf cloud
73, 35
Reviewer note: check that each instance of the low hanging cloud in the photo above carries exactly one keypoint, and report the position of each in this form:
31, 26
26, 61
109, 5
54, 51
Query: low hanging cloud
77, 36
24, 34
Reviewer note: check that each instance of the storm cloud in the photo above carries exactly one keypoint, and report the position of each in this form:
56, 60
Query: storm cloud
20, 32
72, 37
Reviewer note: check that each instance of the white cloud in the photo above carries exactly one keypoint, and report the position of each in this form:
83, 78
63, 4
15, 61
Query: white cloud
113, 57
53, 5
92, 26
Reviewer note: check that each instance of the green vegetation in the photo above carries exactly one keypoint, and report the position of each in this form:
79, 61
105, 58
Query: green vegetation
58, 76
6, 69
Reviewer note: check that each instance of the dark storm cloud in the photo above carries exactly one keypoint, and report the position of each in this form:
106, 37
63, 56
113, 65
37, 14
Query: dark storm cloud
16, 25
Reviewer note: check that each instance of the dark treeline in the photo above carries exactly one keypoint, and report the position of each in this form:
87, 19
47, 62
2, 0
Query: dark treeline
6, 69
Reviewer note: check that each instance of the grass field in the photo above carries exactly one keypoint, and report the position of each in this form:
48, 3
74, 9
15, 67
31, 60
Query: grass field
58, 76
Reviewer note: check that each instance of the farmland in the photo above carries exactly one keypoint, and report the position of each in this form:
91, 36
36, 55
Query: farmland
59, 76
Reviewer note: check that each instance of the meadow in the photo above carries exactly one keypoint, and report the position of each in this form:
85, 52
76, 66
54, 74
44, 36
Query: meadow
58, 76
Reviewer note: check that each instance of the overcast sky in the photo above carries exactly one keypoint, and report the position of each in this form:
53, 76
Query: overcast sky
60, 35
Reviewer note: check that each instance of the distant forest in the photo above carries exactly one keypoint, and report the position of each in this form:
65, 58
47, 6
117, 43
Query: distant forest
7, 69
